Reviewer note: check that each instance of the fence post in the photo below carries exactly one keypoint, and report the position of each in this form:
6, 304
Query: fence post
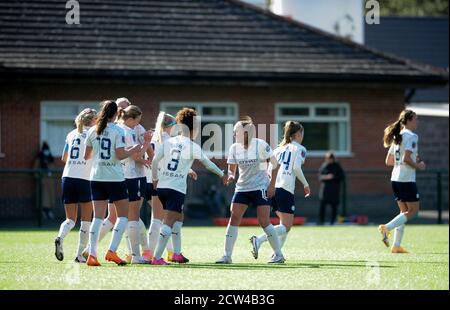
39, 196
344, 196
439, 196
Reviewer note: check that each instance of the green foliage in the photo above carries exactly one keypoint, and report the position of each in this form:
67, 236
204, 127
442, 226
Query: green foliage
414, 7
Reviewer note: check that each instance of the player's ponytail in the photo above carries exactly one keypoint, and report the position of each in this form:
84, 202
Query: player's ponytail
163, 121
107, 114
290, 129
131, 111
392, 132
85, 118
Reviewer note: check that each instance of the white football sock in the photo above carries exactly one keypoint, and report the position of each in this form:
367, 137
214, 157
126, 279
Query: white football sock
127, 241
118, 230
230, 239
84, 236
281, 232
133, 235
273, 239
176, 237
143, 235
169, 246
93, 236
398, 235
65, 228
106, 228
164, 235
399, 220
153, 234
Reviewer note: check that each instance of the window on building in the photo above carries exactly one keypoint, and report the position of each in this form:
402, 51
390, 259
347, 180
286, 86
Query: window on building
223, 115
327, 126
58, 119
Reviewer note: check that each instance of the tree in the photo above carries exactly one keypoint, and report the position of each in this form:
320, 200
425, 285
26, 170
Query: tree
414, 7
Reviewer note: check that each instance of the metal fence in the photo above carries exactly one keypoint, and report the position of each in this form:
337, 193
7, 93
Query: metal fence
24, 194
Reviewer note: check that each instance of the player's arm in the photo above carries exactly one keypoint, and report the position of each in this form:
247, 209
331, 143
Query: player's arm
232, 170
301, 177
275, 168
155, 163
88, 152
390, 157
65, 153
210, 166
407, 159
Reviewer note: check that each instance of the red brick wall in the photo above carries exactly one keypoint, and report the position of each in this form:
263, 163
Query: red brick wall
371, 110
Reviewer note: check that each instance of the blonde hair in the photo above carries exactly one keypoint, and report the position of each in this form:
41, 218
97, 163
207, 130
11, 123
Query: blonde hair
85, 118
131, 111
290, 129
164, 120
392, 132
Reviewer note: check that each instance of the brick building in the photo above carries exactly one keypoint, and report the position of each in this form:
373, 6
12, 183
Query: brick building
223, 57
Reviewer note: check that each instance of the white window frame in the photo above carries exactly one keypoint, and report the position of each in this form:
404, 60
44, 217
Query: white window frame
44, 118
198, 106
313, 118
2, 155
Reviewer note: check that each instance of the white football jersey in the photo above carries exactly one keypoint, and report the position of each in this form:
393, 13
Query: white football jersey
105, 166
290, 158
76, 167
140, 131
177, 156
252, 163
156, 145
402, 172
128, 164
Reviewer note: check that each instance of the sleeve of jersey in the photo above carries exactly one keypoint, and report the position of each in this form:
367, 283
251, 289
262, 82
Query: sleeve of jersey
155, 163
265, 151
210, 165
409, 143
88, 140
231, 158
299, 172
392, 149
120, 139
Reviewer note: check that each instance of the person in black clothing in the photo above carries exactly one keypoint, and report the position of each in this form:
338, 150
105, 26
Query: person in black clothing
45, 162
331, 176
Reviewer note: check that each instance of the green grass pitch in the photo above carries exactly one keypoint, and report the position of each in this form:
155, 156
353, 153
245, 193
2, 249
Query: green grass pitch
317, 258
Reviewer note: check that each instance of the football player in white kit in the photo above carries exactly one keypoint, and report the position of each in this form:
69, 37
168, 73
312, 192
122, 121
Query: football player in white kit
76, 188
163, 130
254, 186
110, 220
176, 156
291, 155
403, 156
105, 143
134, 168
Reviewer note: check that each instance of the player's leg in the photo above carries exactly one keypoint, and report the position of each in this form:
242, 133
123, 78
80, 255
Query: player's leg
263, 213
237, 212
399, 220
86, 216
173, 203
122, 207
157, 219
100, 207
65, 228
70, 200
133, 230
108, 223
177, 255
142, 229
399, 231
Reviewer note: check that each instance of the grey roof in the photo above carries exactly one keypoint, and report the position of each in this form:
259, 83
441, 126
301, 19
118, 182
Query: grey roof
186, 39
418, 38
